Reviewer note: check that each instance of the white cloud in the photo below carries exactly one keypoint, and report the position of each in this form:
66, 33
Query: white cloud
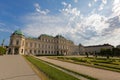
92, 26
58, 24
107, 30
112, 38
38, 9
2, 24
97, 22
104, 1
101, 7
4, 27
95, 0
68, 10
116, 1
4, 30
52, 25
64, 23
64, 3
89, 4
88, 30
75, 1
37, 5
116, 8
77, 30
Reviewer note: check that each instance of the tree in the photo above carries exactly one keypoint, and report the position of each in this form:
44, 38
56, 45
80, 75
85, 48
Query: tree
106, 52
116, 52
95, 54
87, 54
102, 52
2, 50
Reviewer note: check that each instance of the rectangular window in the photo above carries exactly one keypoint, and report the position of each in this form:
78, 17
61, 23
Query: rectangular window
26, 44
17, 42
30, 44
35, 45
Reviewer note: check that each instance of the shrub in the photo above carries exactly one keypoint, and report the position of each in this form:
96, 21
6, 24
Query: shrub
2, 50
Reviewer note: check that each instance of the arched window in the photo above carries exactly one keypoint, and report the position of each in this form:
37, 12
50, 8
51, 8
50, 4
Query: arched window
49, 52
17, 42
38, 51
30, 51
22, 51
42, 51
46, 52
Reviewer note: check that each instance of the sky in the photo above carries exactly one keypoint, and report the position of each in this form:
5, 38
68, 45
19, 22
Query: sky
89, 22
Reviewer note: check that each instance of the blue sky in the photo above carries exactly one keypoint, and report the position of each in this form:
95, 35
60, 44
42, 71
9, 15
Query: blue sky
89, 22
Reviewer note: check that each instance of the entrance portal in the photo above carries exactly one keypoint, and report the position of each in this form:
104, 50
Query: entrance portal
16, 51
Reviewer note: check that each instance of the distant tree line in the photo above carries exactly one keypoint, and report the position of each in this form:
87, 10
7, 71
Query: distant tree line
114, 52
105, 52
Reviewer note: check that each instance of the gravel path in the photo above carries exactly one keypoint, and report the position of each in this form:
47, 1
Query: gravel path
94, 72
14, 67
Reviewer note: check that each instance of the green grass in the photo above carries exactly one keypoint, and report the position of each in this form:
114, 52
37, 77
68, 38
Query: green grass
51, 72
103, 63
83, 75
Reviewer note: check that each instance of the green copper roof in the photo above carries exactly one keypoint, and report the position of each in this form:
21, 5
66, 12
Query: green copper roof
18, 32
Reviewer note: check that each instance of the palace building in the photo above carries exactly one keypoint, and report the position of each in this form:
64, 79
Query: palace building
43, 45
49, 45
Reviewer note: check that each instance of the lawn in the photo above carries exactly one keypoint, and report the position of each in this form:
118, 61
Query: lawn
51, 72
109, 64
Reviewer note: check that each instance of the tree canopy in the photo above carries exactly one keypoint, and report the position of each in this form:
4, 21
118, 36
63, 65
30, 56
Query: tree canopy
2, 50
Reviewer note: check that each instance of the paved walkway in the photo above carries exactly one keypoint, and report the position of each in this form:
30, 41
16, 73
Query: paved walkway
94, 72
14, 67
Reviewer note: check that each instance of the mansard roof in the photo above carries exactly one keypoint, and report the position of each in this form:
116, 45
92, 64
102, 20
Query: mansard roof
99, 45
59, 36
45, 35
18, 32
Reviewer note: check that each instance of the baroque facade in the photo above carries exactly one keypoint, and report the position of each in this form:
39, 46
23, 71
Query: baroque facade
43, 45
49, 45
